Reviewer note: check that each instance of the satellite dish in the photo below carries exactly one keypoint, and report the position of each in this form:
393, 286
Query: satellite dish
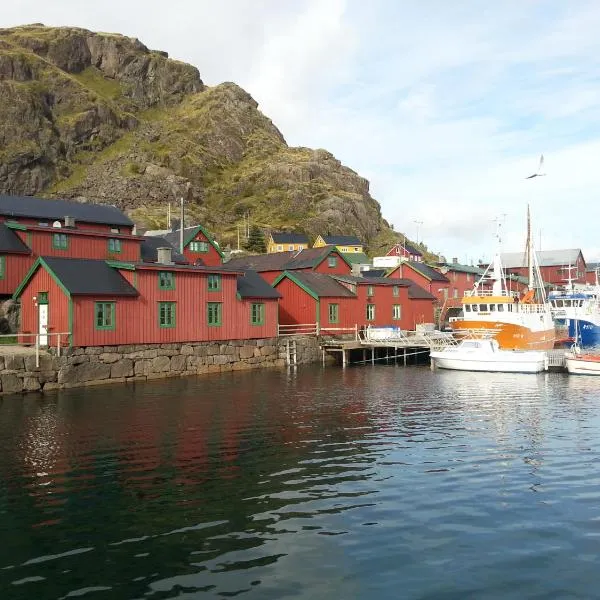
57, 224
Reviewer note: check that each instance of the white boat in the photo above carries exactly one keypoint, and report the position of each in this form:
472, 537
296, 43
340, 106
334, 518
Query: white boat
580, 363
486, 355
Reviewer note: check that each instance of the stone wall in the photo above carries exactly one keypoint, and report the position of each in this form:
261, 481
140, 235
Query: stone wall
124, 364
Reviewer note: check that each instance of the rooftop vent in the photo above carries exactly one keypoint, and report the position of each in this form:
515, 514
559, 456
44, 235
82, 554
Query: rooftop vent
69, 221
164, 256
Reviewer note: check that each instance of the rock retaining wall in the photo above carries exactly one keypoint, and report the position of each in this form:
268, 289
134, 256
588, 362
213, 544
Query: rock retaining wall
124, 364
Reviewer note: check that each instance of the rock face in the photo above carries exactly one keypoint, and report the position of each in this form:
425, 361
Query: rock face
100, 117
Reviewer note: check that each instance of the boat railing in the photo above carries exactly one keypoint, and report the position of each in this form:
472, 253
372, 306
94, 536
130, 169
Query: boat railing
487, 293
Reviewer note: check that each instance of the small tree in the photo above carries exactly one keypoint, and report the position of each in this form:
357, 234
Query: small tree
256, 240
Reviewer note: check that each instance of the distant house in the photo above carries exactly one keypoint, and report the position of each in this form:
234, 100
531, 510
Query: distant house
556, 266
424, 276
199, 247
461, 278
407, 251
325, 260
282, 242
344, 243
592, 273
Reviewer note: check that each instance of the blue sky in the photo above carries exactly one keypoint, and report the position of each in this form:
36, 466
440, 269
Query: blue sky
444, 106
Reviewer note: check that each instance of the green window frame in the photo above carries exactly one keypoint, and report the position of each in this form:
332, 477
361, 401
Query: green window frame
166, 314
114, 245
214, 314
104, 315
396, 291
370, 312
396, 312
214, 282
198, 246
332, 262
370, 290
42, 298
334, 313
60, 241
257, 314
166, 280
2, 266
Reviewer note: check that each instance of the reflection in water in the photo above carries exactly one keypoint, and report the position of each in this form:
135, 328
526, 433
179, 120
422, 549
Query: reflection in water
366, 482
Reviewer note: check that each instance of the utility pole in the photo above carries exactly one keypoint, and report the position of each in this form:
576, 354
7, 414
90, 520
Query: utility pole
419, 223
169, 216
238, 232
181, 227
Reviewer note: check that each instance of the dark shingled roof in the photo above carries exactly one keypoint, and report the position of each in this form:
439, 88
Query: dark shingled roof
10, 242
151, 244
374, 273
341, 240
412, 249
189, 233
282, 261
369, 280
89, 277
322, 285
252, 285
289, 238
416, 292
427, 271
57, 210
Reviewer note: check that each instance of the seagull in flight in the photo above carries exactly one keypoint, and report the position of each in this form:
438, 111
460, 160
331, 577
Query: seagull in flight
537, 173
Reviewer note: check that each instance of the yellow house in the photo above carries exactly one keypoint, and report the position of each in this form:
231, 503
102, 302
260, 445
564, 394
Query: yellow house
344, 243
286, 242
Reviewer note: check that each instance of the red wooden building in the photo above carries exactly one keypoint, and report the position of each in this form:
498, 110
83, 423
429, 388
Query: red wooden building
32, 227
406, 250
592, 273
424, 276
110, 303
199, 247
325, 259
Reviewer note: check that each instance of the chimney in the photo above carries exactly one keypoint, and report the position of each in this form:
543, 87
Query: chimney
455, 261
164, 256
70, 222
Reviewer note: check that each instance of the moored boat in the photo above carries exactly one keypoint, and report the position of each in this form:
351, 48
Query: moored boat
486, 355
580, 363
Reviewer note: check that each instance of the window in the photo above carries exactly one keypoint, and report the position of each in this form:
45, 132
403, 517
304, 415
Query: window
166, 280
291, 247
334, 313
198, 246
2, 266
396, 291
257, 314
166, 314
369, 290
370, 312
356, 249
455, 293
280, 248
214, 315
60, 241
396, 312
114, 245
105, 314
42, 298
214, 282
115, 230
332, 261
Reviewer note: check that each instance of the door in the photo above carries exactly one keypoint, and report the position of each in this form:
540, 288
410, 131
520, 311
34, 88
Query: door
43, 318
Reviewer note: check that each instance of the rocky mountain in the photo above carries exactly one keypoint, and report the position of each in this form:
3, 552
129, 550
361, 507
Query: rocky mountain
100, 117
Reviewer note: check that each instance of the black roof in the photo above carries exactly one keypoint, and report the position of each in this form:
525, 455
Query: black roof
342, 240
151, 244
426, 271
369, 280
412, 249
57, 210
89, 277
289, 238
282, 261
374, 273
252, 285
10, 242
415, 291
322, 285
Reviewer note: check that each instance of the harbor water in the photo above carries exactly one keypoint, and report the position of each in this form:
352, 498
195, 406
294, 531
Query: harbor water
369, 482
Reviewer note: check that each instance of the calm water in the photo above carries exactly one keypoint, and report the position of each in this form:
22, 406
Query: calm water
373, 482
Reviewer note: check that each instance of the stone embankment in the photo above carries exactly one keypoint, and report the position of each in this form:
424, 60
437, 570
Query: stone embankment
127, 364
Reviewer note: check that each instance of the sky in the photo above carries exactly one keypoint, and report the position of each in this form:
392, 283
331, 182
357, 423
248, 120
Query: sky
445, 107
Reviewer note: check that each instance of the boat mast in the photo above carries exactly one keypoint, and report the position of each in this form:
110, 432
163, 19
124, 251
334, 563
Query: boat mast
529, 248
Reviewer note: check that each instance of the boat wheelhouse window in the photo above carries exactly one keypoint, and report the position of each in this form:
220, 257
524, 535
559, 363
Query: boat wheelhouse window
492, 307
483, 307
500, 307
470, 344
467, 308
474, 307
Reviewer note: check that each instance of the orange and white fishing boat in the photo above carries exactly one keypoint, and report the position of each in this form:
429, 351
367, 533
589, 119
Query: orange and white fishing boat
490, 309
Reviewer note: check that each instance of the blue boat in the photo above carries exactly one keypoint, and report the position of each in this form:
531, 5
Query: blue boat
577, 310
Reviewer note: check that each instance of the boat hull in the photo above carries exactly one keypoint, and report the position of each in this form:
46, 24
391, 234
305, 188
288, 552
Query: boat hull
588, 334
492, 364
582, 365
510, 336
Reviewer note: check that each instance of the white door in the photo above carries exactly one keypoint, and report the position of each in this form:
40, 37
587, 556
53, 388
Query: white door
43, 325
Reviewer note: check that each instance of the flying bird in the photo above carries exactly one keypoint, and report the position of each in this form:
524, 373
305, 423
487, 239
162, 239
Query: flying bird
537, 173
